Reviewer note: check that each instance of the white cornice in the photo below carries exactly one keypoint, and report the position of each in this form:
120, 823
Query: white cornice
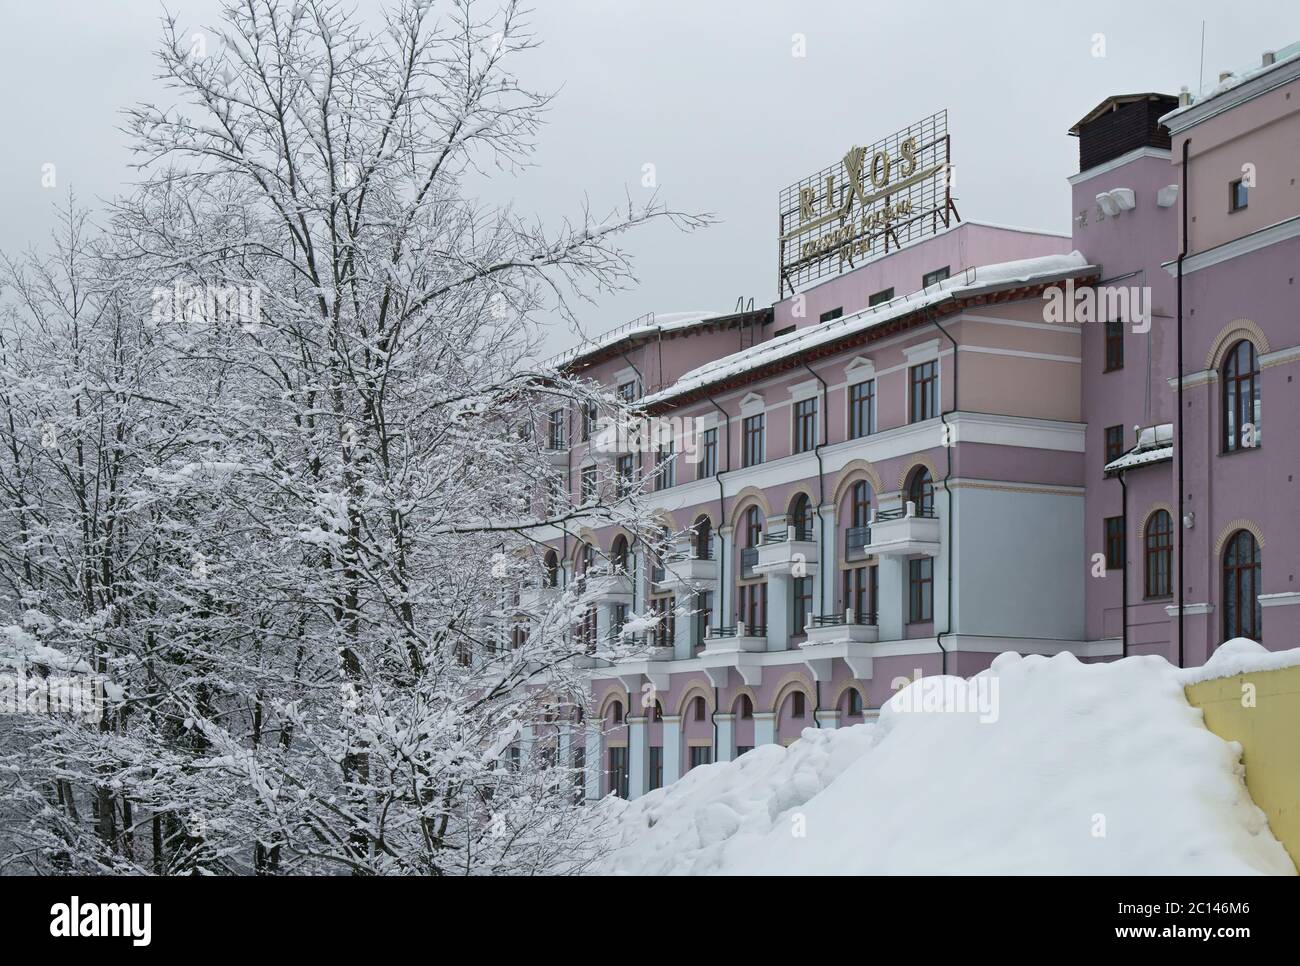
1123, 159
1263, 238
1182, 119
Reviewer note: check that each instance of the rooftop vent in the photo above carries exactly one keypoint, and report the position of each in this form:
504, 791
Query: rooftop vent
1269, 58
1120, 124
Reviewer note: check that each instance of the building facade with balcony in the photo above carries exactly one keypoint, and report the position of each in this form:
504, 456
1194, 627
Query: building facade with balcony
915, 465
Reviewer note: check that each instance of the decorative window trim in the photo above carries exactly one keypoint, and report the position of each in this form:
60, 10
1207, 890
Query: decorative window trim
922, 352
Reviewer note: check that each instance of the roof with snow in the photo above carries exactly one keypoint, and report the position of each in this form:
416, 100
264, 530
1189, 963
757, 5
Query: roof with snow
1155, 445
952, 294
1288, 56
644, 328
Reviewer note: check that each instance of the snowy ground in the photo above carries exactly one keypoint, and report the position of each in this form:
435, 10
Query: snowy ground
1066, 768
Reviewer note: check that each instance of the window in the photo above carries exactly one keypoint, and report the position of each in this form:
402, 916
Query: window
746, 707
797, 709
665, 467
665, 629
805, 425
627, 391
698, 709
1241, 398
552, 578
618, 771
1114, 543
831, 315
742, 749
801, 518
860, 504
702, 538
884, 295
920, 589
555, 494
616, 713
855, 702
923, 399
623, 475
935, 277
860, 589
921, 492
1241, 587
555, 431
753, 608
588, 485
1159, 554
1237, 195
588, 420
656, 767
801, 612
862, 408
701, 755
1114, 344
752, 430
708, 455
1114, 442
618, 555
618, 620
579, 770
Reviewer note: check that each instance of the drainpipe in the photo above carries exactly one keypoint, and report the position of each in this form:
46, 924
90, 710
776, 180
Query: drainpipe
821, 486
1182, 254
640, 465
943, 416
1123, 605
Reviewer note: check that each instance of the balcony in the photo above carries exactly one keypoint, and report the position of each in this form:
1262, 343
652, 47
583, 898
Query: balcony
610, 588
556, 452
537, 599
737, 638
837, 628
786, 552
687, 573
904, 531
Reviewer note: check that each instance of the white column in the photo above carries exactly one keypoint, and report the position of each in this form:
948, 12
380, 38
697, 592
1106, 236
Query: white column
723, 605
726, 740
639, 582
828, 720
892, 608
764, 728
824, 584
638, 756
604, 625
778, 612
672, 748
564, 745
526, 741
687, 604
595, 760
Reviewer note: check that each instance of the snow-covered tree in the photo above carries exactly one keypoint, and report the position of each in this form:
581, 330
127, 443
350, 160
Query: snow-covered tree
272, 463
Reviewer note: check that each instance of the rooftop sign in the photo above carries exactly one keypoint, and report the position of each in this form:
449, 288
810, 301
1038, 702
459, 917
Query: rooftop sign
874, 200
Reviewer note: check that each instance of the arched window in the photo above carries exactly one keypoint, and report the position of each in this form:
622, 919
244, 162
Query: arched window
854, 703
1241, 400
703, 538
1158, 554
659, 711
801, 518
618, 554
1241, 587
921, 491
616, 713
552, 563
860, 504
698, 709
746, 706
753, 527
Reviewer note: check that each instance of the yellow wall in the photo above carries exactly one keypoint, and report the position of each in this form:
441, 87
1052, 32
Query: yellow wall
1269, 734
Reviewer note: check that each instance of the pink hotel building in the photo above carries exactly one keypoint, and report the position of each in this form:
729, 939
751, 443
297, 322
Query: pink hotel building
914, 465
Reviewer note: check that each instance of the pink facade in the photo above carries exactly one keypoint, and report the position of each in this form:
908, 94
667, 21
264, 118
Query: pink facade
910, 484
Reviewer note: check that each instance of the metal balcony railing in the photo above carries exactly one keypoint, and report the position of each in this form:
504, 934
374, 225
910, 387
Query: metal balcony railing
899, 513
856, 538
733, 630
776, 536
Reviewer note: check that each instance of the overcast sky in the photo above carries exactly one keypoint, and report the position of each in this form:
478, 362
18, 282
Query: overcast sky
708, 91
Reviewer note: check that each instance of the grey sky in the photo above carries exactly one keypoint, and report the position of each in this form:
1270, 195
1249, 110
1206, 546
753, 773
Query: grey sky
707, 91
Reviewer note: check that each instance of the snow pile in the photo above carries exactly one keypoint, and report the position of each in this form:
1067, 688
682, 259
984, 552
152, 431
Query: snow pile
1240, 655
1059, 767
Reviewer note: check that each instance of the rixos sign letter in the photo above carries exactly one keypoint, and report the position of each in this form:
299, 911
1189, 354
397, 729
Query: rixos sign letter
876, 199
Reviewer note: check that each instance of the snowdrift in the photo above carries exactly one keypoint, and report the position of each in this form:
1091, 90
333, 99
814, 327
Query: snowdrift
1070, 768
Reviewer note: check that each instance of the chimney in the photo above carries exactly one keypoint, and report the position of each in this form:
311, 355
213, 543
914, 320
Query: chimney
1269, 58
1184, 96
